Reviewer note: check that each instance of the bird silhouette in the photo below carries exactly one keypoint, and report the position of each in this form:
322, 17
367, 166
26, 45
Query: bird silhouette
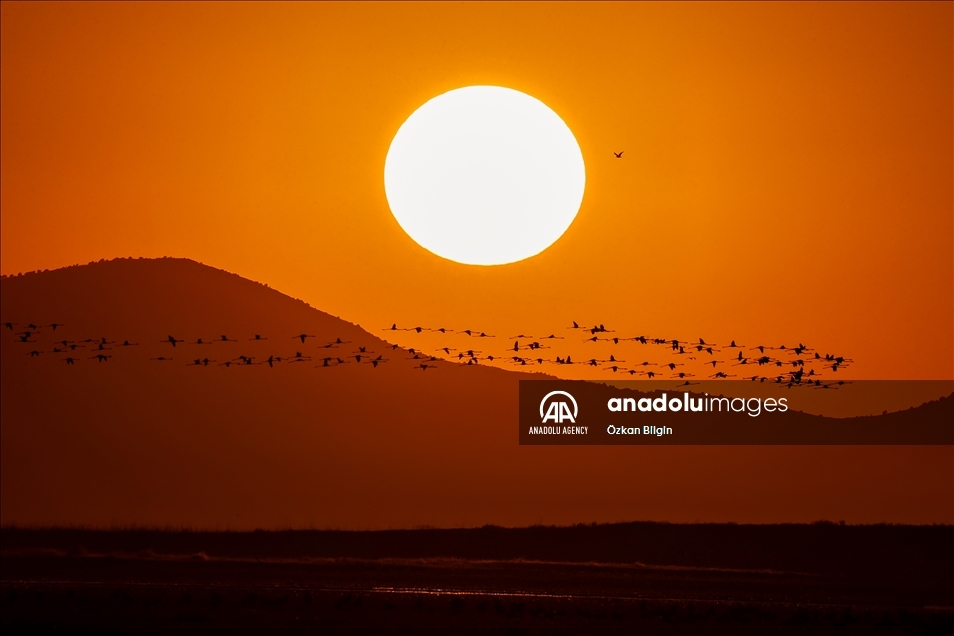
302, 337
619, 155
258, 336
172, 340
475, 334
100, 357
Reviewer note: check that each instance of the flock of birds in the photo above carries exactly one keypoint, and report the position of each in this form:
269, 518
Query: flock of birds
792, 365
102, 349
671, 359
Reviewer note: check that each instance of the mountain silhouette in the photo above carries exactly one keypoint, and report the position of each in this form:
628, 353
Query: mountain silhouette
136, 440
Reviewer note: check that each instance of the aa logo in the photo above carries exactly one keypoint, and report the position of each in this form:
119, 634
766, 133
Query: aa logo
558, 407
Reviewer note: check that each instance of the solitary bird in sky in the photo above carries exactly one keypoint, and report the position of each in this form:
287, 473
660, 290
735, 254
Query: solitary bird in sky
619, 155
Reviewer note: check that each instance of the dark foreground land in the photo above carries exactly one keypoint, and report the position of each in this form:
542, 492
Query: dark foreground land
597, 579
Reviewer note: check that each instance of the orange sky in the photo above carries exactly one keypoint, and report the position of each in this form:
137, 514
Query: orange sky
787, 176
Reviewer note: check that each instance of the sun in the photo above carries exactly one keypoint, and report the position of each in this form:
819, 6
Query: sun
484, 175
